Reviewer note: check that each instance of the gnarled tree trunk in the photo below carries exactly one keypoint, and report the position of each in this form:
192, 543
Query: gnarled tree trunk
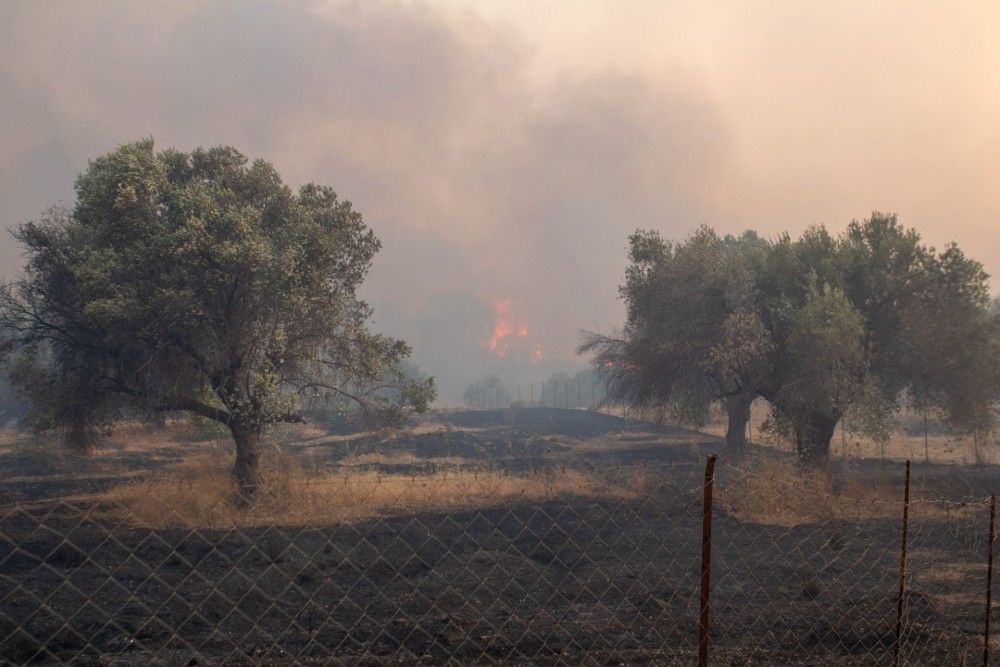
247, 467
812, 439
738, 412
81, 436
157, 419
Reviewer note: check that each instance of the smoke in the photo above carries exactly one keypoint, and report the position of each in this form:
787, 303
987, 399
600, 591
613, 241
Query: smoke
495, 159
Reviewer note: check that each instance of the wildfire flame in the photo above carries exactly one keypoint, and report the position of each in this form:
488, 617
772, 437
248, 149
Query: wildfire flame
507, 327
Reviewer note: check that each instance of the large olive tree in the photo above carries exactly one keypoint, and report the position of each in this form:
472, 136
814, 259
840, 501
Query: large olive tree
677, 349
857, 323
818, 326
197, 282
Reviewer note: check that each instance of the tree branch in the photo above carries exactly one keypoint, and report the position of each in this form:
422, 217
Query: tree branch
197, 407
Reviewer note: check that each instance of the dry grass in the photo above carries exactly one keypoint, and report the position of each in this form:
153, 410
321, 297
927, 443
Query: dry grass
618, 442
434, 426
8, 438
403, 457
126, 438
300, 432
199, 493
777, 491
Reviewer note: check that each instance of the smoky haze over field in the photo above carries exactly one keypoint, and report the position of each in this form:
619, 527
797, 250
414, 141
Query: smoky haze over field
503, 155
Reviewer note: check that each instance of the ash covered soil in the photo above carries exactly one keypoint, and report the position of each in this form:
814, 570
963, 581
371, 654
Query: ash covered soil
562, 580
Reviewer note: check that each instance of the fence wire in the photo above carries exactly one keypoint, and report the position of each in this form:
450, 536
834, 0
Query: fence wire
590, 558
817, 578
554, 580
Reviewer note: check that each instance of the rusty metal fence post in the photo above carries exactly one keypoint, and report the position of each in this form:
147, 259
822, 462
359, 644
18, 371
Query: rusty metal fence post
989, 580
902, 570
706, 561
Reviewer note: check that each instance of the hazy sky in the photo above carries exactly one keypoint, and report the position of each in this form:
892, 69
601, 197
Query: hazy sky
506, 149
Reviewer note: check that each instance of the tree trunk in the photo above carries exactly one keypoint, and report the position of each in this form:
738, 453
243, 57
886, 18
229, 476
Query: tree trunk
81, 437
246, 471
738, 411
812, 440
157, 419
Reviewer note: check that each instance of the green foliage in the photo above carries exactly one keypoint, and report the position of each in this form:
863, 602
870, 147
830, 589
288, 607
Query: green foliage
691, 335
177, 274
820, 326
913, 322
823, 359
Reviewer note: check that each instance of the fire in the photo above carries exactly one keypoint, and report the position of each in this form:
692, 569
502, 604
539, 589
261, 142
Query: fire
507, 326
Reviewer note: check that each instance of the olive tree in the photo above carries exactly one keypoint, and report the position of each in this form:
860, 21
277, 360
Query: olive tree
819, 326
858, 322
683, 338
197, 282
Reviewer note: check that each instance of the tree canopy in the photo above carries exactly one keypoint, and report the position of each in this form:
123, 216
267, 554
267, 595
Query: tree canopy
862, 321
817, 326
689, 307
200, 282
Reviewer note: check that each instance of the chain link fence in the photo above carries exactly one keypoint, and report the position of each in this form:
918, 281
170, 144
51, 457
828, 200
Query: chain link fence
557, 550
818, 578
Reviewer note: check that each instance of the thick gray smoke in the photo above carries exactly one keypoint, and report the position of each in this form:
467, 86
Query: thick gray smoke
480, 185
484, 180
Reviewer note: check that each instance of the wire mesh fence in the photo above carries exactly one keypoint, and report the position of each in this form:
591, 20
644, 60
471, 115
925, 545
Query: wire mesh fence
819, 578
551, 554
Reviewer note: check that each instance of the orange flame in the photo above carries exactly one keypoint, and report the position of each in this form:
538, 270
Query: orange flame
507, 327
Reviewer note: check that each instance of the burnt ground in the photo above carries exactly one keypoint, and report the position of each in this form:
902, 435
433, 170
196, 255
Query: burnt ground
561, 581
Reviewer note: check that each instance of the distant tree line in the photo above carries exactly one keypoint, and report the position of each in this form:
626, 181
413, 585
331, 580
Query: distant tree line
583, 389
862, 323
488, 392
